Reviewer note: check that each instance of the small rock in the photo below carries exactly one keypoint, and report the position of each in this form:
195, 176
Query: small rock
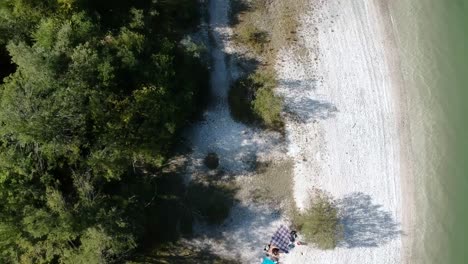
211, 161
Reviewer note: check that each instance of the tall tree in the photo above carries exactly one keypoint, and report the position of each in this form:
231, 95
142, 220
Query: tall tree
100, 90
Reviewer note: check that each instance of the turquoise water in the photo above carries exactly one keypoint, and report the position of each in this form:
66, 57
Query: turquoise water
432, 36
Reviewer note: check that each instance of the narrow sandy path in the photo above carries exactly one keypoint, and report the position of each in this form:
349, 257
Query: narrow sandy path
235, 143
343, 128
238, 146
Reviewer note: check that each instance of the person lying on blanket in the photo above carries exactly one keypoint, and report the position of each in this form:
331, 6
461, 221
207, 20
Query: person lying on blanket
282, 241
272, 252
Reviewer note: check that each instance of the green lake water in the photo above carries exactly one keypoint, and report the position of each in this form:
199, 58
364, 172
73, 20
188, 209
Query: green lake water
432, 36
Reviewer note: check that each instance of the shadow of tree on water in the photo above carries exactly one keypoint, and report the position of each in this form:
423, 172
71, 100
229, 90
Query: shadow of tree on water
366, 224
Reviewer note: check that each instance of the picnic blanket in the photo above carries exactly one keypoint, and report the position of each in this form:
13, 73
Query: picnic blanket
281, 239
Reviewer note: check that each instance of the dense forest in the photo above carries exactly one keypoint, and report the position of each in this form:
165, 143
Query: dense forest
93, 94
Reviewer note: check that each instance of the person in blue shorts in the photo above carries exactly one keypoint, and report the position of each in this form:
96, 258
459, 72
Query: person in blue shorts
267, 260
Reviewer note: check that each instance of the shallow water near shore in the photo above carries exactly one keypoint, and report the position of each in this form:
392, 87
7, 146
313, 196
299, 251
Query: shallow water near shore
433, 44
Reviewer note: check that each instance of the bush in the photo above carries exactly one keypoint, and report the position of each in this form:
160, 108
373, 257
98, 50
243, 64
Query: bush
211, 161
268, 107
263, 78
252, 99
211, 202
320, 224
240, 99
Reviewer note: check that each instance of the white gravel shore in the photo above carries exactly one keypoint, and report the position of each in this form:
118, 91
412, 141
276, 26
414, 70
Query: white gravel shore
342, 133
238, 147
343, 127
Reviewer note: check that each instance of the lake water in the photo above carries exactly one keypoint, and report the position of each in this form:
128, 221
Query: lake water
432, 36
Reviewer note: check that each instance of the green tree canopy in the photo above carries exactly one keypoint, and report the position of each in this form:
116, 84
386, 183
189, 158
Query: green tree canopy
99, 92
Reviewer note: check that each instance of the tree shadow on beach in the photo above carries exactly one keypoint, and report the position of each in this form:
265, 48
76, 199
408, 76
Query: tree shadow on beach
248, 226
182, 253
305, 85
305, 110
366, 224
300, 106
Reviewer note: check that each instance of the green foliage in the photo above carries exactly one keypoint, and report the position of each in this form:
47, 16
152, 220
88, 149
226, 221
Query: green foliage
18, 18
240, 99
252, 99
197, 50
9, 237
97, 95
320, 223
96, 246
268, 106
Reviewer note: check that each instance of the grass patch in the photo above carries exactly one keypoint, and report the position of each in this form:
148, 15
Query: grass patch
252, 99
266, 26
211, 202
320, 223
285, 14
248, 26
274, 185
252, 36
